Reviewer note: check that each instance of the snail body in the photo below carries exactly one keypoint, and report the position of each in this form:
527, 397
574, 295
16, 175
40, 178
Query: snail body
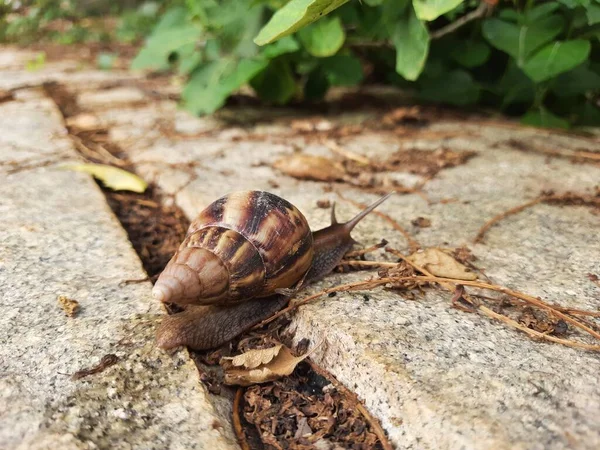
237, 258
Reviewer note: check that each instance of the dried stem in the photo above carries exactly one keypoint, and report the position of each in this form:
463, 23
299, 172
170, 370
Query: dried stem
481, 11
338, 150
517, 209
551, 199
371, 283
237, 423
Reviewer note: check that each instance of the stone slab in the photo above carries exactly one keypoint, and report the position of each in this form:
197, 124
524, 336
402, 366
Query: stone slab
435, 376
58, 237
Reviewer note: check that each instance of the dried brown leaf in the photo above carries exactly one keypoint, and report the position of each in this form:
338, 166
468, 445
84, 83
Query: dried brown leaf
310, 167
441, 264
280, 363
254, 358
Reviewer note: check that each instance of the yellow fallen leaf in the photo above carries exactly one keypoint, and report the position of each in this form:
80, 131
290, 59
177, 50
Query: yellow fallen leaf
441, 264
112, 177
279, 363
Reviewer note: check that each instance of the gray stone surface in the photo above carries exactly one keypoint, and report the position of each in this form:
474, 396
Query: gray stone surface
58, 237
436, 377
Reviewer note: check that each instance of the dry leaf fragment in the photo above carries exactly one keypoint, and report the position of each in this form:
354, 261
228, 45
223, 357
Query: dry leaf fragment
441, 264
310, 167
323, 204
421, 222
84, 122
70, 306
279, 362
112, 177
254, 358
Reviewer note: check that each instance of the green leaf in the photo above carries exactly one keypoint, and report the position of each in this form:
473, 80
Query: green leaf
343, 70
455, 88
515, 86
276, 84
556, 58
373, 2
295, 15
211, 83
537, 12
162, 43
579, 80
543, 118
431, 9
316, 85
586, 114
470, 53
188, 58
411, 39
593, 14
323, 38
284, 45
575, 3
112, 177
520, 41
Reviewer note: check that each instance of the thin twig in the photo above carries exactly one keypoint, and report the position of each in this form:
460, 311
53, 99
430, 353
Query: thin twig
481, 11
517, 209
338, 150
237, 423
534, 333
550, 199
371, 283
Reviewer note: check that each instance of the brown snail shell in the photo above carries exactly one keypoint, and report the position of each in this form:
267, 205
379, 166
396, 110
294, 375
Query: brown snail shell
246, 244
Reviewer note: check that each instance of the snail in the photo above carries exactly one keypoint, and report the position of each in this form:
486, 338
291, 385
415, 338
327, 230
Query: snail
239, 262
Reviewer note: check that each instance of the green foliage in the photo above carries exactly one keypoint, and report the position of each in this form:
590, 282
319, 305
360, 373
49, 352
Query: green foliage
72, 21
295, 15
538, 60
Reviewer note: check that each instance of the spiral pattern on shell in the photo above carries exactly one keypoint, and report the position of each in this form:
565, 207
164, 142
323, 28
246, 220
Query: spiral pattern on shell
243, 245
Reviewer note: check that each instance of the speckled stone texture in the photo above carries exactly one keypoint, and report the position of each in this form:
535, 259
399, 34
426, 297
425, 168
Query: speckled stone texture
436, 377
58, 237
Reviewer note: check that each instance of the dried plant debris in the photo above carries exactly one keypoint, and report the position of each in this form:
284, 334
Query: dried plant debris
421, 222
260, 365
105, 363
440, 264
83, 122
311, 167
548, 197
70, 307
324, 204
542, 321
304, 411
423, 162
578, 156
405, 115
